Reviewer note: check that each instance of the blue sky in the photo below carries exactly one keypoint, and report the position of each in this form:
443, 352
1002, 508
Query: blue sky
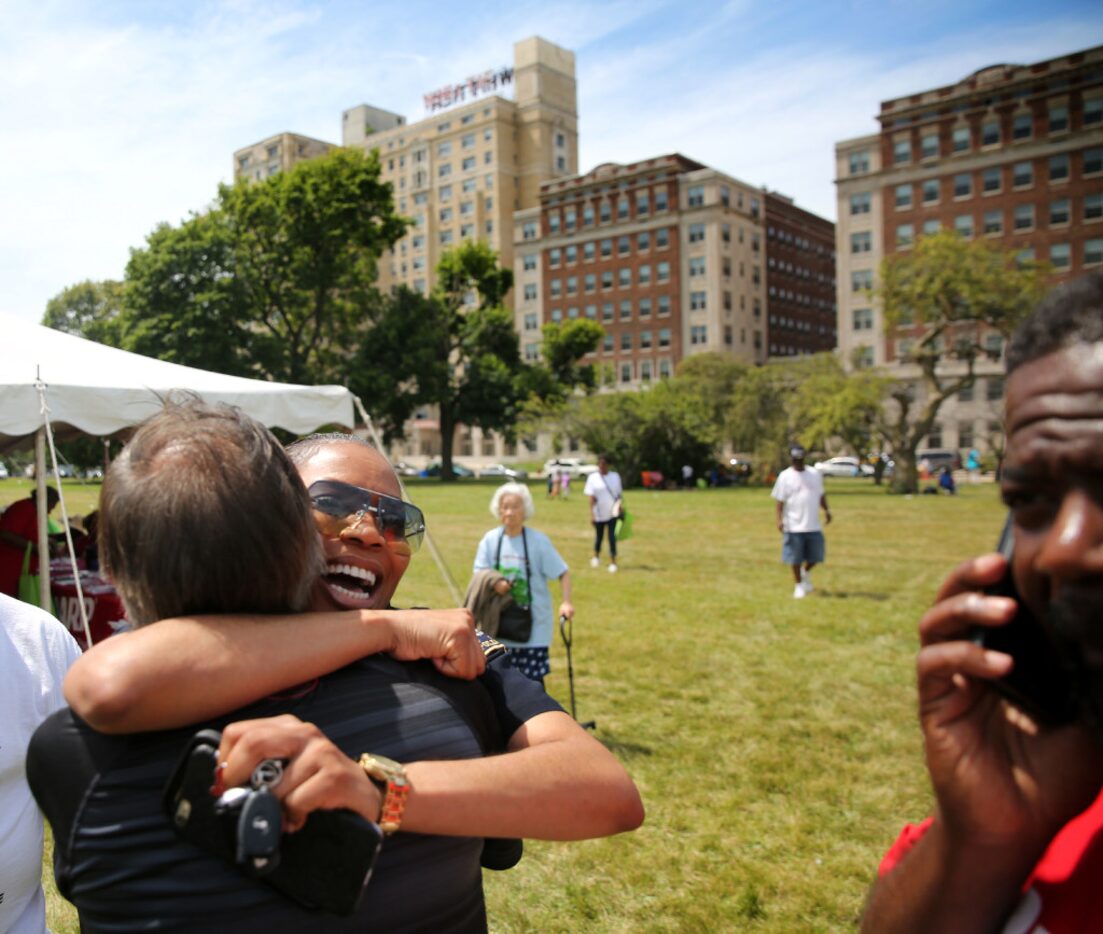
121, 115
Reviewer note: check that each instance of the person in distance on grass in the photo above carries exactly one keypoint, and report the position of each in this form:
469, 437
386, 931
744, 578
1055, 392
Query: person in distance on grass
179, 671
799, 495
605, 491
1015, 840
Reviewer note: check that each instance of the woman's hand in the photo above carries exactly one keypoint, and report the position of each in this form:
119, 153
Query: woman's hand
316, 776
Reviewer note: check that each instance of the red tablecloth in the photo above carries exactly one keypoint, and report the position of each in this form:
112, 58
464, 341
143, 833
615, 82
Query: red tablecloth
106, 615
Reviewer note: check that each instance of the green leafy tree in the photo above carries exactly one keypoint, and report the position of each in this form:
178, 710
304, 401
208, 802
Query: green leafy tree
88, 309
274, 280
947, 295
456, 349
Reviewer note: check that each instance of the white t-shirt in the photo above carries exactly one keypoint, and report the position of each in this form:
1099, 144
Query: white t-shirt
800, 491
35, 652
606, 489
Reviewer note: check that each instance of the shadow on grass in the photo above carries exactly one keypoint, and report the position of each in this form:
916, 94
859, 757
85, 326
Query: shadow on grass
861, 594
624, 748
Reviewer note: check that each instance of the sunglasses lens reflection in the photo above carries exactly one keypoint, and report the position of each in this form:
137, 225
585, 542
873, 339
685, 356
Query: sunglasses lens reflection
338, 506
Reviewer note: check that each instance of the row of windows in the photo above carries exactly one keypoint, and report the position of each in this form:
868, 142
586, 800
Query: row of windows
643, 307
800, 272
801, 243
796, 324
467, 141
590, 280
646, 340
993, 132
647, 202
590, 249
800, 298
1060, 213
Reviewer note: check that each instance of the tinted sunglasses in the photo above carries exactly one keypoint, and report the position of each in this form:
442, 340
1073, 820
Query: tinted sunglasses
338, 506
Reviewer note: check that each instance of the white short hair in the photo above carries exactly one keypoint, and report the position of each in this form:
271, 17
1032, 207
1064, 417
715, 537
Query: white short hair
512, 489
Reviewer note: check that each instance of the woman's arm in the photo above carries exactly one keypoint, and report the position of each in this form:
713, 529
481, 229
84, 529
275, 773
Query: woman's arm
180, 671
566, 608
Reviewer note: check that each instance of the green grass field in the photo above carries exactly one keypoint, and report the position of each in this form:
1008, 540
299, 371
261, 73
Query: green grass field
774, 740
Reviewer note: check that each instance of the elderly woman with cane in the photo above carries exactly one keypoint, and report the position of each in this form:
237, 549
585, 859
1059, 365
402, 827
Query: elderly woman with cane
527, 560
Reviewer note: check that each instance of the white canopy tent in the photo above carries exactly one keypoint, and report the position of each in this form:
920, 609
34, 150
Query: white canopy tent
79, 386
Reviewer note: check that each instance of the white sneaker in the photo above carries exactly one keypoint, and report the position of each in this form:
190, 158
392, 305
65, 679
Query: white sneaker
612, 569
594, 562
798, 592
806, 580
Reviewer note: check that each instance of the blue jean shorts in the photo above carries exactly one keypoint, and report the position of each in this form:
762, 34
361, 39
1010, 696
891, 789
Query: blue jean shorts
802, 548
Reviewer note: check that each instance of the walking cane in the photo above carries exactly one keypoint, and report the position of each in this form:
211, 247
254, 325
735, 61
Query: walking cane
565, 629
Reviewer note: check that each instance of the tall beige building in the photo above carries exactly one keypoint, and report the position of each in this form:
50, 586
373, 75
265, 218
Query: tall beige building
461, 172
276, 154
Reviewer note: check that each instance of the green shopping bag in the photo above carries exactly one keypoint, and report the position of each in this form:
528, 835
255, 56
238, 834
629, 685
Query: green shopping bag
624, 526
30, 585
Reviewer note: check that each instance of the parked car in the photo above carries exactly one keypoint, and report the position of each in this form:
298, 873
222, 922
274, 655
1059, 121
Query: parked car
934, 459
573, 465
843, 467
3, 472
504, 472
458, 470
406, 470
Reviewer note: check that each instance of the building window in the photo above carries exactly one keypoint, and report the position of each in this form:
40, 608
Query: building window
1059, 212
696, 233
444, 170
645, 371
660, 199
1022, 175
664, 369
664, 337
990, 180
624, 245
588, 251
862, 319
662, 272
468, 141
860, 203
644, 274
555, 286
530, 291
626, 309
624, 277
555, 257
570, 218
607, 343
1093, 111
488, 158
572, 285
931, 191
902, 151
607, 279
928, 146
695, 196
963, 185
931, 225
662, 238
1093, 251
863, 357
626, 372
557, 315
1093, 161
445, 215
1024, 217
466, 207
962, 139
530, 321
591, 312
963, 224
1093, 206
590, 282
993, 388
905, 236
859, 162
1059, 168
446, 236
903, 197
990, 133
588, 215
645, 310
1025, 256
643, 203
1058, 118
606, 212
699, 334
1060, 255
1022, 127
697, 301
622, 208
664, 306
861, 280
993, 223
696, 266
934, 438
607, 311
643, 241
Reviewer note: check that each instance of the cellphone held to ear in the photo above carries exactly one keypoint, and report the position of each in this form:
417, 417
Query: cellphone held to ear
1040, 684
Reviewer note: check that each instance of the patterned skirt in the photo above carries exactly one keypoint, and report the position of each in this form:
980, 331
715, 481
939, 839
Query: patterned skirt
533, 663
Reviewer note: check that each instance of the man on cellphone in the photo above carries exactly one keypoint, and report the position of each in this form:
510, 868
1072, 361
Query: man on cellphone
1011, 843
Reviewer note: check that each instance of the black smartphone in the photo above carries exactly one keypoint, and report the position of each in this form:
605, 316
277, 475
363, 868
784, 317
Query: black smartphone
326, 864
1041, 683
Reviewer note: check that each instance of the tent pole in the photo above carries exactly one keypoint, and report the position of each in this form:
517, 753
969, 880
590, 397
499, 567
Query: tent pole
43, 530
433, 550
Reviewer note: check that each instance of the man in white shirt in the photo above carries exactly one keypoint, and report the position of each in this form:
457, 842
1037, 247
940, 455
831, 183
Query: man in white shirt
799, 494
35, 652
605, 491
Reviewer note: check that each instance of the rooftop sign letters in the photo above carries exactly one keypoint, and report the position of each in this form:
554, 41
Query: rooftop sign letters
489, 81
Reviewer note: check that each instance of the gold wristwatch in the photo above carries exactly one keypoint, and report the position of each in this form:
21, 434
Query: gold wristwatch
390, 777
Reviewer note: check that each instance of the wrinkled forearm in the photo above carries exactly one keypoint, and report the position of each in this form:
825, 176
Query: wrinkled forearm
556, 782
175, 672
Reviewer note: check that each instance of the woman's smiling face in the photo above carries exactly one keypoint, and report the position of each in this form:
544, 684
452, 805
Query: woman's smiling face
363, 570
